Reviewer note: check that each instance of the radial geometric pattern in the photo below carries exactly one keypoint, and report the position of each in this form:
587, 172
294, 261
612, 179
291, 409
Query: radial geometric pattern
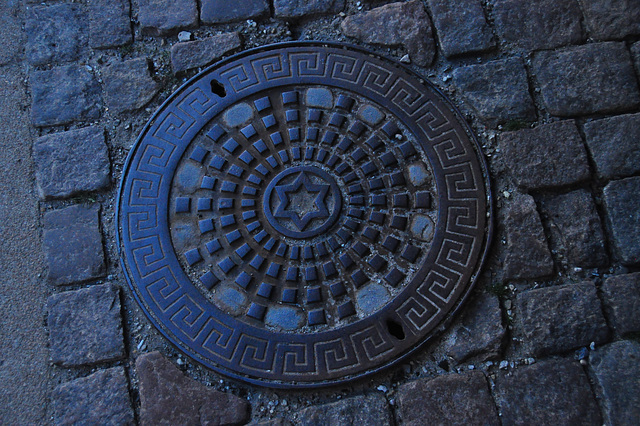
303, 215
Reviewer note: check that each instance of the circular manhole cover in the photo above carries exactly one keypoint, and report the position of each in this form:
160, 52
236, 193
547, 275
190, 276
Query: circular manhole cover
303, 214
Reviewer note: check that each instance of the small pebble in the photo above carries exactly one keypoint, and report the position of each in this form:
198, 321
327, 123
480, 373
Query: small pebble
382, 388
184, 36
405, 59
592, 346
504, 365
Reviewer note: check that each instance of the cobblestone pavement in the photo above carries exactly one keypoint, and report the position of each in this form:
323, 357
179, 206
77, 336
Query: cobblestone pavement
551, 90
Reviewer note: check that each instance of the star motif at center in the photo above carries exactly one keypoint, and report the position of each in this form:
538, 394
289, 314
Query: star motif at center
301, 221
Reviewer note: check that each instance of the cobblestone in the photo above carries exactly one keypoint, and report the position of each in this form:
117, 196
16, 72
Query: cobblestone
101, 398
617, 369
298, 9
128, 85
575, 227
543, 24
54, 34
622, 302
219, 11
167, 17
363, 410
635, 54
85, 326
63, 95
497, 91
480, 331
611, 19
527, 254
70, 163
548, 325
589, 79
73, 245
549, 155
110, 24
404, 24
199, 53
621, 201
548, 392
461, 27
169, 397
613, 144
449, 399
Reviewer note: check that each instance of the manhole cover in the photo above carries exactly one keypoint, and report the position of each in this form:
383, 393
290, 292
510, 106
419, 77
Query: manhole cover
303, 214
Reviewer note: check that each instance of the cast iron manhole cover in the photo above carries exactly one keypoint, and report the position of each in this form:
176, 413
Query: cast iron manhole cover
303, 214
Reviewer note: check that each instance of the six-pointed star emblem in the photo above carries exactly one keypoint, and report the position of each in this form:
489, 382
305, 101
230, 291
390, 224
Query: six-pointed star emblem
302, 219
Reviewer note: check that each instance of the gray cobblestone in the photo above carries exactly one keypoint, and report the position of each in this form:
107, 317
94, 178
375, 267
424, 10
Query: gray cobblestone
199, 53
562, 318
169, 397
449, 399
128, 85
101, 398
613, 143
63, 95
73, 245
575, 226
218, 11
110, 24
299, 8
617, 370
167, 17
363, 410
543, 24
461, 26
548, 392
622, 302
611, 19
497, 91
547, 156
621, 201
527, 254
589, 79
69, 163
85, 326
404, 24
54, 34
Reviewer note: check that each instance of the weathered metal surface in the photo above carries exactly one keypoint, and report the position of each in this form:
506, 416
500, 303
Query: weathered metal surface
303, 215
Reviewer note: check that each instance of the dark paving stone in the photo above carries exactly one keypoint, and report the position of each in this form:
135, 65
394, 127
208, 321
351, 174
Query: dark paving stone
101, 398
167, 396
85, 326
73, 245
167, 17
613, 143
622, 302
69, 163
109, 23
554, 392
278, 421
621, 202
298, 9
587, 79
447, 400
199, 53
575, 226
461, 26
611, 19
480, 332
547, 156
128, 85
527, 254
617, 371
362, 410
218, 11
54, 34
558, 319
635, 54
404, 24
63, 95
497, 91
543, 24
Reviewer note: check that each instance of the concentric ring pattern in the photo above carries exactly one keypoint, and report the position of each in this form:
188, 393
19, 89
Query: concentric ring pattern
303, 215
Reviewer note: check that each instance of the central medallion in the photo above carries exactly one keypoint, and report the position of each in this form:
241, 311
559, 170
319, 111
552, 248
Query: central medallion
302, 202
